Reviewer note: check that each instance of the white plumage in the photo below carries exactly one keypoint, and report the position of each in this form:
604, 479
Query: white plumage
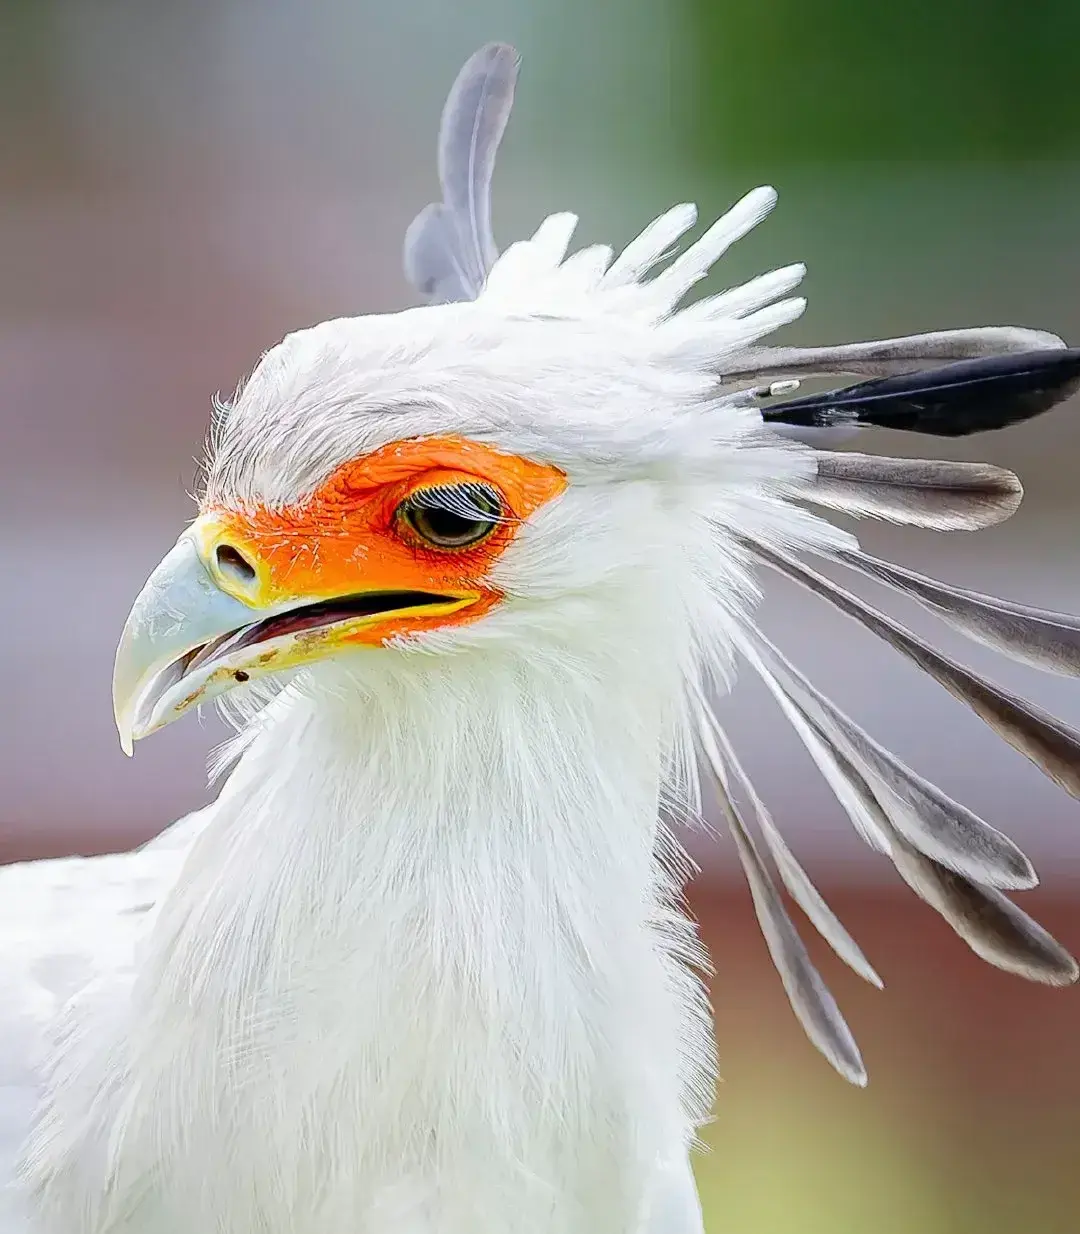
422, 967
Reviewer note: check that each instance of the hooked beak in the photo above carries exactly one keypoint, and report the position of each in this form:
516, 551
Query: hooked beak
187, 640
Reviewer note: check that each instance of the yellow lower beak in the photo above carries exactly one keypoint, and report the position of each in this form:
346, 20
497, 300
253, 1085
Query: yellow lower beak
186, 641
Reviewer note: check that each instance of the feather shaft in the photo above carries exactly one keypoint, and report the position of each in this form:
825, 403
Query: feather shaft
988, 922
970, 396
1051, 745
925, 816
1032, 636
888, 357
810, 998
942, 496
794, 877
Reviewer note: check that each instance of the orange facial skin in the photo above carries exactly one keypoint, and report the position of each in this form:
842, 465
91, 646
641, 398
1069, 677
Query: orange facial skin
347, 539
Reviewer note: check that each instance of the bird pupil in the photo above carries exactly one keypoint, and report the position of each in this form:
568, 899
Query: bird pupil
446, 523
444, 527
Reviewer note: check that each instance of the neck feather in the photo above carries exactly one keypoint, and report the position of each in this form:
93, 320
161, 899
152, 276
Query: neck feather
454, 879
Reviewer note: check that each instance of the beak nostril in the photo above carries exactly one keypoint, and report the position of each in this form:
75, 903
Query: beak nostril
234, 565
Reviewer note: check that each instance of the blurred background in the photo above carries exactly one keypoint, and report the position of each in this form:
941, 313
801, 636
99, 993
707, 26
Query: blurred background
182, 183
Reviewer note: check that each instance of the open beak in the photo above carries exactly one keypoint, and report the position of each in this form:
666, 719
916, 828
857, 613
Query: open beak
187, 640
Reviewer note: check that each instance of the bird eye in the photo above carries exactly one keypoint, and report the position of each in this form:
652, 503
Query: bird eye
452, 516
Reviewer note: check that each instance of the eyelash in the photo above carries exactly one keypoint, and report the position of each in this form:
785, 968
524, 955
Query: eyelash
468, 500
469, 503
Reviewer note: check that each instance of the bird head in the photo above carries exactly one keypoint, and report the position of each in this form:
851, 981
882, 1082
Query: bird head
556, 455
507, 471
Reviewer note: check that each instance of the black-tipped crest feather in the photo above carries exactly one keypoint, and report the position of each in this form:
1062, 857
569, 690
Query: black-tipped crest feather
810, 998
942, 496
1050, 744
1036, 637
935, 824
889, 356
794, 877
990, 923
970, 396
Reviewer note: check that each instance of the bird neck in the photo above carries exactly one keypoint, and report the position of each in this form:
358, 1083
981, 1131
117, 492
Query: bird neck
480, 793
448, 878
490, 778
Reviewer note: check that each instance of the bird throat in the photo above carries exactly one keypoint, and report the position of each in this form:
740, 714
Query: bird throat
432, 902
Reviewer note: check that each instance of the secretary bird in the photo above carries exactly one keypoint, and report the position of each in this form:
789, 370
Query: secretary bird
467, 579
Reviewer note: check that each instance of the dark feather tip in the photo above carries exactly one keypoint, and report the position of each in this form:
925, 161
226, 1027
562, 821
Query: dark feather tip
971, 396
